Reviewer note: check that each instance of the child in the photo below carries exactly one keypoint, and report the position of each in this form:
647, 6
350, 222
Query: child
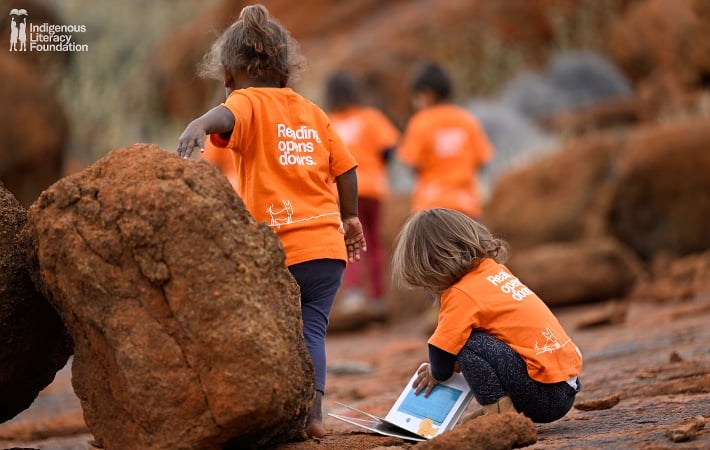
510, 348
445, 145
371, 137
287, 156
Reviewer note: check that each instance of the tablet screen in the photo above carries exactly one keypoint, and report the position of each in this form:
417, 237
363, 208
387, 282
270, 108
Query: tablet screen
436, 406
432, 415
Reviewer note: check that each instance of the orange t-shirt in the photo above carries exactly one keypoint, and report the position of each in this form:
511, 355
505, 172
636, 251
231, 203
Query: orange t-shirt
491, 299
222, 159
446, 145
368, 133
287, 156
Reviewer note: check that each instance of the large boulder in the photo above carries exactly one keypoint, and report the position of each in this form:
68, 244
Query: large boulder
661, 201
559, 197
586, 270
185, 318
35, 344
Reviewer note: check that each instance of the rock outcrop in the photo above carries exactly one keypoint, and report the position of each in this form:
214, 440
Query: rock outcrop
559, 197
35, 344
507, 430
660, 202
582, 271
185, 318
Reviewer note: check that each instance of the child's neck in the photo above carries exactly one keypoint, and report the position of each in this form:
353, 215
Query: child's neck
260, 83
243, 80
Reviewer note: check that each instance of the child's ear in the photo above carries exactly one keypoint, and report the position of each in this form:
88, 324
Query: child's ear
228, 79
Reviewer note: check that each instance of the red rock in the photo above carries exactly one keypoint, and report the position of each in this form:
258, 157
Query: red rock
686, 430
660, 201
493, 431
185, 318
577, 272
675, 278
558, 197
599, 403
35, 344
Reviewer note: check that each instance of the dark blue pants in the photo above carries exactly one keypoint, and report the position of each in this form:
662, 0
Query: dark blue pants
319, 281
492, 369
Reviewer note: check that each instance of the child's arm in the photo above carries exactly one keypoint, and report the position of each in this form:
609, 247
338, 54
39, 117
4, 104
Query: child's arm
347, 195
218, 120
442, 363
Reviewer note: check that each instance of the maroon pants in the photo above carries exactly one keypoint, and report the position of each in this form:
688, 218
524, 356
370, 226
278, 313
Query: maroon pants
371, 264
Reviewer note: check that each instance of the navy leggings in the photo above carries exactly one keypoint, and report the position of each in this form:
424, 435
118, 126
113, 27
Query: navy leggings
494, 370
319, 281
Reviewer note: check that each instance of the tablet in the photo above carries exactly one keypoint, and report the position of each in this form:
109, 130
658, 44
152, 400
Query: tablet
432, 415
415, 417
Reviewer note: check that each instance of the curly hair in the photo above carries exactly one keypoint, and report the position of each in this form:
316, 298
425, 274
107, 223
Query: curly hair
257, 44
437, 247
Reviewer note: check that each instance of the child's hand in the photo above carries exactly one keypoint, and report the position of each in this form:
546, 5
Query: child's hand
218, 120
193, 136
424, 380
354, 238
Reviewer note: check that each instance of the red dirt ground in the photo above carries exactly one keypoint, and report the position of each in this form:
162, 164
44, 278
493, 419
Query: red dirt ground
656, 364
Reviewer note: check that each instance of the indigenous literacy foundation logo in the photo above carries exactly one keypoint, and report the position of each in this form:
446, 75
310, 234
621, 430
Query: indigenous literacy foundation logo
42, 38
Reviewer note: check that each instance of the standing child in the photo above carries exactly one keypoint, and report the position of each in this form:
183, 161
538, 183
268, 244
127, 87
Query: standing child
445, 145
510, 348
286, 156
371, 138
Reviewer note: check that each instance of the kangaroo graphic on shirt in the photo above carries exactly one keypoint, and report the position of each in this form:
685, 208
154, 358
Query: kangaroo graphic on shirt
281, 216
551, 342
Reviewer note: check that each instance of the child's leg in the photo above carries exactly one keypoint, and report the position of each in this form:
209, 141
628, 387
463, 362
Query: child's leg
319, 280
494, 370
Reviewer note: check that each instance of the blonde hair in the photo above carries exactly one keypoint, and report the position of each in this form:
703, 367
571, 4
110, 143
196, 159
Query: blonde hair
437, 247
257, 44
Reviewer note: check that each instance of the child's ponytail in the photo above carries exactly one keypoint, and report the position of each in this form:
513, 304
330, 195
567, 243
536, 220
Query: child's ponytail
257, 34
256, 44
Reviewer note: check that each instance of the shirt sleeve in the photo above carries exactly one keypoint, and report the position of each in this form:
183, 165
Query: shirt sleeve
242, 110
457, 318
442, 363
411, 150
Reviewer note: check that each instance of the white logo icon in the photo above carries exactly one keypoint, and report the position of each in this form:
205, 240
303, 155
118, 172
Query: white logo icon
281, 216
551, 342
18, 32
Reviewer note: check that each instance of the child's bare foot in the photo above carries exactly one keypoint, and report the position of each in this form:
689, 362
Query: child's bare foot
314, 425
315, 429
